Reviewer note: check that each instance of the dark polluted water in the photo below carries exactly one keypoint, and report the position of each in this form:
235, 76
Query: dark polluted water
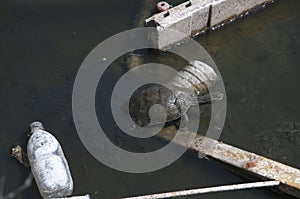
43, 43
258, 59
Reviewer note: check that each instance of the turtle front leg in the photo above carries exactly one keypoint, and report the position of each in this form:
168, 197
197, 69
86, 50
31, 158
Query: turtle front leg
208, 98
184, 122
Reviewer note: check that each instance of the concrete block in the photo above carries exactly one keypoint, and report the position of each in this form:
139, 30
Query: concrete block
224, 10
186, 19
195, 16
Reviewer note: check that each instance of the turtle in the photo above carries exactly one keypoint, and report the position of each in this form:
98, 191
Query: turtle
176, 102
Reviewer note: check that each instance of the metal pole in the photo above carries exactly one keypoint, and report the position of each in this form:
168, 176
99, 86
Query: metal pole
208, 190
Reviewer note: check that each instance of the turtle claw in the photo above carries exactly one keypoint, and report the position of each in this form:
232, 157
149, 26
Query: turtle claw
216, 96
183, 128
183, 123
208, 98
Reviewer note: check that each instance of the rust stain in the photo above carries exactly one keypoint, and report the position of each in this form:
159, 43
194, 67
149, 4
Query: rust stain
240, 156
235, 155
231, 154
268, 167
292, 175
249, 165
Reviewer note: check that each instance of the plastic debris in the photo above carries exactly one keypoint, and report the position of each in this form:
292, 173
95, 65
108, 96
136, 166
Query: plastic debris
48, 164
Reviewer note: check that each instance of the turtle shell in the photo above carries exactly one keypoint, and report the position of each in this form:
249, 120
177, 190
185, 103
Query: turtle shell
143, 99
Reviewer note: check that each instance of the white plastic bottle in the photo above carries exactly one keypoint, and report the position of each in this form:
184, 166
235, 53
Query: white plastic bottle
48, 163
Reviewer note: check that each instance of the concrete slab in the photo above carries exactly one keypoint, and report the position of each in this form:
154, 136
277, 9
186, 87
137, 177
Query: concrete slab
195, 16
224, 10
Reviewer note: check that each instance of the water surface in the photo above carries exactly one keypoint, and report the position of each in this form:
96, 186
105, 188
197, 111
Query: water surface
42, 44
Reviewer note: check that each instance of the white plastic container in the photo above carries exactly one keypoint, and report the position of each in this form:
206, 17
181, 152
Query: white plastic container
48, 163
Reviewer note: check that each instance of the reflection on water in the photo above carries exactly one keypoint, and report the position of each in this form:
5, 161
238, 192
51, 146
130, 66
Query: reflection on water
42, 45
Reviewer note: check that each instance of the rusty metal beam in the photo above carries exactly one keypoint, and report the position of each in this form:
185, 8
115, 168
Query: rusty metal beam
250, 164
208, 190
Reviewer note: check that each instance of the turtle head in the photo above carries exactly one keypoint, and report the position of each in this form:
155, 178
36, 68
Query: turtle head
36, 126
184, 100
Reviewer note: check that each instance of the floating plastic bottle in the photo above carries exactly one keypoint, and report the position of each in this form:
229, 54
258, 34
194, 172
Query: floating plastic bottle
48, 164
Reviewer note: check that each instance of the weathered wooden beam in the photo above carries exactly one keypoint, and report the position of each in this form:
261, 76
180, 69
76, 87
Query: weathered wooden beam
251, 164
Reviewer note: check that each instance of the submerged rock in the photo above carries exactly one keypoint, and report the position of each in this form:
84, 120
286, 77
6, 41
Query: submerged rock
133, 60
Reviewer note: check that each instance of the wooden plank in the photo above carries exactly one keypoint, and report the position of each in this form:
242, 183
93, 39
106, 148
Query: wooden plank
250, 163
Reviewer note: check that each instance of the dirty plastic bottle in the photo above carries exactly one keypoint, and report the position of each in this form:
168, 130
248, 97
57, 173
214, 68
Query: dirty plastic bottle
48, 163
